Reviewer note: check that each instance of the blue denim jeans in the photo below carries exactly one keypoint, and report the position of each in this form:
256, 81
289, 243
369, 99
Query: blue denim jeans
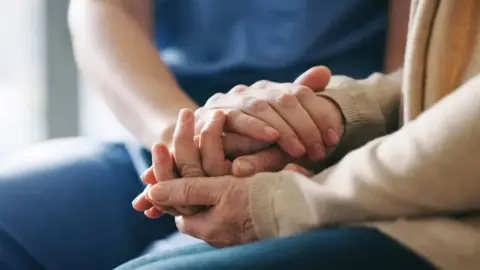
66, 204
344, 248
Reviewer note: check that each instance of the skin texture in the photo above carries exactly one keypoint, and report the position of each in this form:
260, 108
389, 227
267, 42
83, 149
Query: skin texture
323, 121
206, 154
224, 216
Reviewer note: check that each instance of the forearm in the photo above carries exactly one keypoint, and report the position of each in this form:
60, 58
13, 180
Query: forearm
429, 167
118, 58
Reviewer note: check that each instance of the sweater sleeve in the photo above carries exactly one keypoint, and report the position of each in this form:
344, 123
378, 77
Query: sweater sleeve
370, 108
428, 167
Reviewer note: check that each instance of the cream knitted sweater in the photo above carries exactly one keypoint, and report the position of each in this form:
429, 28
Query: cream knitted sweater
421, 183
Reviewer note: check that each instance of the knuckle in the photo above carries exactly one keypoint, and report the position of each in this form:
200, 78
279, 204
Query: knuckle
214, 98
249, 121
191, 170
301, 91
287, 100
189, 191
255, 105
274, 94
237, 89
261, 84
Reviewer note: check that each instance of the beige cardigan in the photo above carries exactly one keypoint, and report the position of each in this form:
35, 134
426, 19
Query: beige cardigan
410, 182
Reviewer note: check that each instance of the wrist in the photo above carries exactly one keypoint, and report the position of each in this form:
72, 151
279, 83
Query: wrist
336, 114
156, 132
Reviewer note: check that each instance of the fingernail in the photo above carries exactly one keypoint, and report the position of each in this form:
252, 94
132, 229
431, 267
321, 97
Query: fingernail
318, 152
158, 193
333, 136
271, 132
243, 168
298, 149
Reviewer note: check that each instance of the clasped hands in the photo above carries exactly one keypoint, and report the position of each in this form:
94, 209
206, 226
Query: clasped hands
265, 127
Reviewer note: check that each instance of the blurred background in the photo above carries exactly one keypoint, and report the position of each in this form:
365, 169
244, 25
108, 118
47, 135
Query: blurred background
42, 95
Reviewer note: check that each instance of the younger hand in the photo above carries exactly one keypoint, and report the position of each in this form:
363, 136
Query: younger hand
290, 114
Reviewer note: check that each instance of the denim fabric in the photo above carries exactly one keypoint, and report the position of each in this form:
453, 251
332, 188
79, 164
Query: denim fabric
66, 204
346, 248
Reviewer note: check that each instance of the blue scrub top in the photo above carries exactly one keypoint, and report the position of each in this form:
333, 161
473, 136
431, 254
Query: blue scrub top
212, 45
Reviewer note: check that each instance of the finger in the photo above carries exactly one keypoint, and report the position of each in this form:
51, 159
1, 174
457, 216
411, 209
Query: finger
326, 116
185, 151
163, 170
286, 104
162, 163
141, 203
153, 213
190, 191
236, 145
186, 155
299, 169
188, 228
261, 109
211, 146
174, 211
213, 102
148, 177
316, 78
249, 126
269, 160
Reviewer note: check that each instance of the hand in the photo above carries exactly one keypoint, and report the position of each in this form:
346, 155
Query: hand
186, 154
305, 122
227, 221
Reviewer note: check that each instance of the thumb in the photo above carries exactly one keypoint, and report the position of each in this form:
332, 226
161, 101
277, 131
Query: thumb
199, 191
316, 78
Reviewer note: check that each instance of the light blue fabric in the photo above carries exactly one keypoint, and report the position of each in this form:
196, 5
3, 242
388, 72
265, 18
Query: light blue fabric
212, 45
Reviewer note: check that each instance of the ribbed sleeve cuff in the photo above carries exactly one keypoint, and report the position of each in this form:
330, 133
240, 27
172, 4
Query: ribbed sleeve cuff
362, 115
262, 192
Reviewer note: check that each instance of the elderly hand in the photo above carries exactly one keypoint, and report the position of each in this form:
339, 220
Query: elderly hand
227, 219
188, 158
